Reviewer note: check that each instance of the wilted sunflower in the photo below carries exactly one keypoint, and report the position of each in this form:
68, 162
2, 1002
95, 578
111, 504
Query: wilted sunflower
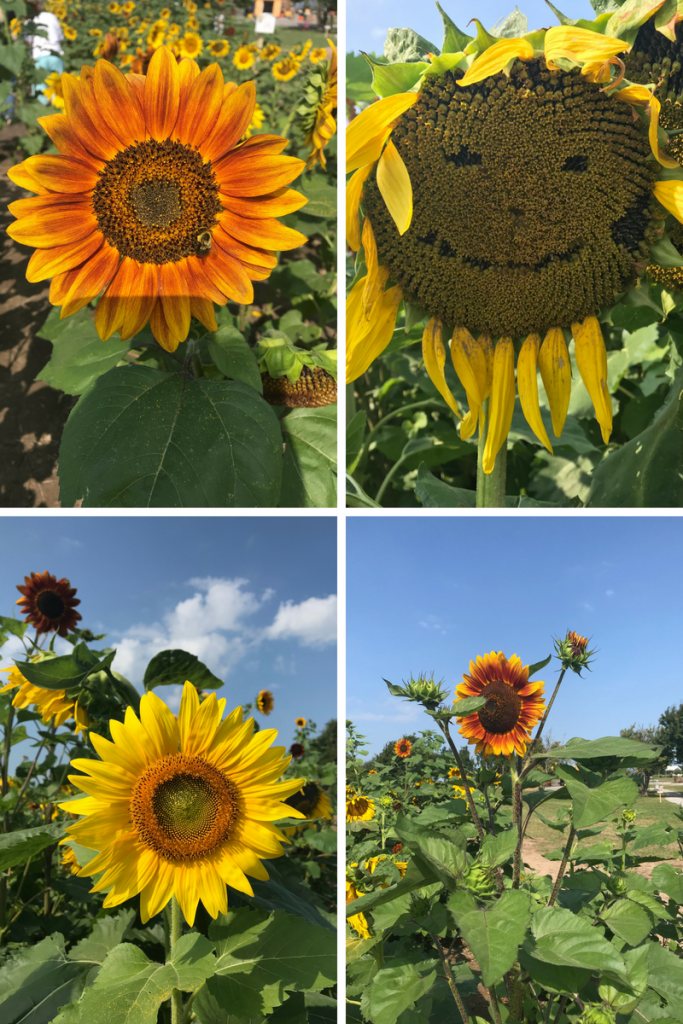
285, 69
300, 723
359, 807
181, 807
243, 58
511, 194
402, 748
154, 200
265, 702
513, 705
48, 603
50, 703
319, 109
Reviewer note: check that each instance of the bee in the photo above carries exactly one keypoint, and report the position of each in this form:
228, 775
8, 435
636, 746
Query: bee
204, 240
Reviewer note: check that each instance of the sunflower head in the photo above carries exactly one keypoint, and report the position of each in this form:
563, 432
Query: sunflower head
513, 705
48, 603
573, 653
311, 801
297, 750
300, 723
265, 702
402, 748
180, 806
359, 808
285, 69
421, 691
243, 58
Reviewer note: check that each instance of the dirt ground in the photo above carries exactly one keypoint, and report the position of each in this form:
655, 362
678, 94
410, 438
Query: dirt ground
32, 414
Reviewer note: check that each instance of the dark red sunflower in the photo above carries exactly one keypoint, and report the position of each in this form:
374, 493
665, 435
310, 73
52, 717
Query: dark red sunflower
297, 750
402, 748
49, 603
513, 704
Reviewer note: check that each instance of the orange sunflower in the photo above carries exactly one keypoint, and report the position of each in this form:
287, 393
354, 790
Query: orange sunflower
513, 704
154, 199
402, 748
49, 602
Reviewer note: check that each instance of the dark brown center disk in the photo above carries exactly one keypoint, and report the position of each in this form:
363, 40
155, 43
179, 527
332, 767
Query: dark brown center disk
500, 714
50, 604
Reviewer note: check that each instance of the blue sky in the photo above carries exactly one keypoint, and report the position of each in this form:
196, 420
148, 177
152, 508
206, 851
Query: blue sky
368, 20
254, 598
428, 594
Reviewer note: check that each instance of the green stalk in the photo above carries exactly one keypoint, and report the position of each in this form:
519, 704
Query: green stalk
463, 774
532, 747
176, 932
490, 486
445, 963
7, 746
563, 866
516, 823
516, 1006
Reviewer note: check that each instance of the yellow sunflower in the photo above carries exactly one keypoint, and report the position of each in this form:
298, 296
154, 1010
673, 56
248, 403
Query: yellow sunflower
358, 922
300, 723
513, 705
113, 7
317, 54
69, 32
402, 748
165, 13
53, 90
96, 33
129, 7
243, 58
454, 773
69, 860
312, 801
190, 45
190, 6
324, 123
359, 807
192, 24
181, 807
122, 215
50, 703
506, 245
285, 69
265, 702
218, 47
174, 29
270, 51
157, 33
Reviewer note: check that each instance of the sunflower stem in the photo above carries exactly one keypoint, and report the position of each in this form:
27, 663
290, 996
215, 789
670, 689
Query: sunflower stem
495, 1009
176, 932
563, 866
466, 786
445, 963
526, 766
516, 823
490, 486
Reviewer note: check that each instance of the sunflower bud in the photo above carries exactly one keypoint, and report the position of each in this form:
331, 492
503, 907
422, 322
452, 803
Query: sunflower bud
573, 653
618, 884
598, 1014
628, 816
481, 881
425, 691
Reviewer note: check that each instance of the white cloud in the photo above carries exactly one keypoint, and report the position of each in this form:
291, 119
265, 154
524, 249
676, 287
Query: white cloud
313, 622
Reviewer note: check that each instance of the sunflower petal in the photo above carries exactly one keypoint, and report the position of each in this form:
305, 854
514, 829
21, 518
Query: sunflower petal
502, 403
393, 182
527, 388
162, 94
434, 355
495, 58
591, 359
367, 133
556, 374
354, 192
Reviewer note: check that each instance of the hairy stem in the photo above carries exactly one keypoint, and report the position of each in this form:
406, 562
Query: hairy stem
561, 1008
563, 865
516, 1005
445, 963
517, 823
176, 932
466, 786
495, 1009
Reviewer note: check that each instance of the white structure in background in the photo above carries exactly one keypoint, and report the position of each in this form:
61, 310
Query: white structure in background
265, 23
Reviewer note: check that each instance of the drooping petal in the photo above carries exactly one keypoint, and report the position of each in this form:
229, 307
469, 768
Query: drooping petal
175, 299
366, 340
556, 374
527, 388
591, 359
111, 309
393, 182
471, 360
502, 403
580, 45
161, 330
434, 355
495, 58
354, 191
367, 133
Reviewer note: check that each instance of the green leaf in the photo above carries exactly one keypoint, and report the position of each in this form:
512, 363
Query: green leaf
631, 15
37, 980
433, 493
670, 881
322, 198
454, 41
12, 57
107, 933
393, 990
140, 437
624, 998
567, 940
467, 705
665, 254
308, 477
494, 934
653, 835
498, 850
14, 626
627, 753
79, 356
233, 357
174, 668
665, 976
17, 847
593, 805
403, 44
65, 671
628, 920
445, 860
355, 432
389, 79
511, 27
538, 665
130, 988
647, 471
260, 957
414, 878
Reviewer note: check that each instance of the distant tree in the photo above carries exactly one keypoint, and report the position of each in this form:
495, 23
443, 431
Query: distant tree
326, 743
670, 734
646, 734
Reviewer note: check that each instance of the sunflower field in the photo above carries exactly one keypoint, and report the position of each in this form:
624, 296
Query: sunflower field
515, 308
446, 920
175, 184
156, 867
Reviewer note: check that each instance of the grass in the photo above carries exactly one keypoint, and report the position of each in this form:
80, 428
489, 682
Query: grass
648, 809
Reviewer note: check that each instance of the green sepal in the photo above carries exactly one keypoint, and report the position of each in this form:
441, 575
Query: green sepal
453, 39
403, 44
277, 355
512, 26
440, 65
666, 18
483, 40
390, 79
537, 40
665, 254
598, 24
414, 315
670, 174
624, 23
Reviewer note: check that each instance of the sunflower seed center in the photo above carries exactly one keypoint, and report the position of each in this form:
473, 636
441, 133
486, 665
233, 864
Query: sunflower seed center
50, 604
500, 714
156, 203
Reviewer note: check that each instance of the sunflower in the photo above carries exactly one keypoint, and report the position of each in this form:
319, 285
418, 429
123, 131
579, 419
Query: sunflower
256, 121
300, 723
402, 748
49, 603
270, 51
297, 750
190, 6
174, 29
359, 807
265, 702
218, 47
165, 13
95, 32
69, 860
157, 34
513, 705
125, 215
53, 90
181, 807
190, 45
535, 204
454, 773
69, 32
243, 58
317, 54
319, 117
192, 24
311, 801
358, 922
285, 69
114, 8
50, 703
372, 772
129, 7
